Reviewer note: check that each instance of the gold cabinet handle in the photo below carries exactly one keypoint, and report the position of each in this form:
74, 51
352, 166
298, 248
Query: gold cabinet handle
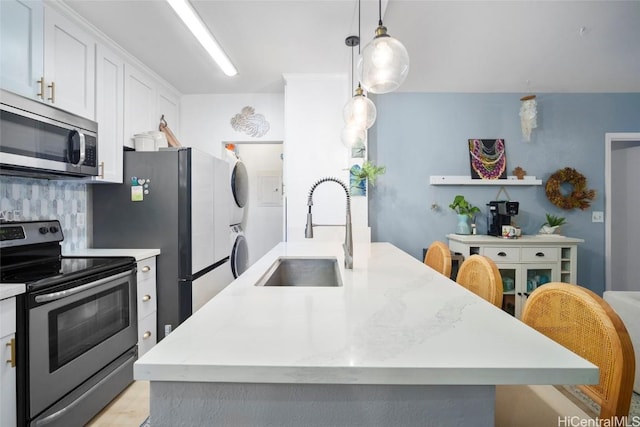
146, 298
12, 345
146, 335
146, 268
52, 86
41, 83
101, 167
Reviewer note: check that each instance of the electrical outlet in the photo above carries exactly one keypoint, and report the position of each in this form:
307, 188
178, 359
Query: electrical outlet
80, 219
597, 216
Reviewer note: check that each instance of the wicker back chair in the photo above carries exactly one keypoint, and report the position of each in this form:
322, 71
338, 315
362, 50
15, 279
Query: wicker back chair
586, 324
438, 257
481, 276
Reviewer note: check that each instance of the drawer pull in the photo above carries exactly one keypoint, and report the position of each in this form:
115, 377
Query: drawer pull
146, 269
501, 254
12, 345
146, 335
146, 298
539, 253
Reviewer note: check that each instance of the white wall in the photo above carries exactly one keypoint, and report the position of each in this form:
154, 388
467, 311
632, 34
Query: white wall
263, 214
205, 120
313, 150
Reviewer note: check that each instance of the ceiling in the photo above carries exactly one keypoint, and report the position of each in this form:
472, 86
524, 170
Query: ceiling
454, 46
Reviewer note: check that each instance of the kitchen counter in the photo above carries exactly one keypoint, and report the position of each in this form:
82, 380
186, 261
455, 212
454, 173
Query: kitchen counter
8, 290
138, 254
395, 327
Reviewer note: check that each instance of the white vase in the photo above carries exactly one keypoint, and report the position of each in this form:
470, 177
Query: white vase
546, 229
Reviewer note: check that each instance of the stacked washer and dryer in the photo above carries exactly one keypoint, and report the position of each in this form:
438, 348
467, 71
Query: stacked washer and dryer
239, 179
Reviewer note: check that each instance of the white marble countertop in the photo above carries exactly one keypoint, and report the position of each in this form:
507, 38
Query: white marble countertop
138, 254
395, 321
8, 290
525, 240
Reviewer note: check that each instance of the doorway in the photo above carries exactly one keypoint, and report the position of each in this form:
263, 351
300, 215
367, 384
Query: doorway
262, 222
622, 239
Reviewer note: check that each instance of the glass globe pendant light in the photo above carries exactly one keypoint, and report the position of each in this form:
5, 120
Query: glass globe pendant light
353, 136
360, 111
384, 63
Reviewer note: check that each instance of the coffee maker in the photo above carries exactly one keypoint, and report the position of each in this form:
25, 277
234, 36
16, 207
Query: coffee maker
500, 213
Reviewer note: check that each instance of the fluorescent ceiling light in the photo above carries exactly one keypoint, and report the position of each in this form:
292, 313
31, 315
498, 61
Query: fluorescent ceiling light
184, 10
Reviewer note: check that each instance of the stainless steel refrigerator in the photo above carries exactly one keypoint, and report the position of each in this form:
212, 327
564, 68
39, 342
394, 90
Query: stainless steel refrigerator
176, 200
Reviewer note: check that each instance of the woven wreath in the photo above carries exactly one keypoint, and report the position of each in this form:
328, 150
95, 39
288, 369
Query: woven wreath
580, 197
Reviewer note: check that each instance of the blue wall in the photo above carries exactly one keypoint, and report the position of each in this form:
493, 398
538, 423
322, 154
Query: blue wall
421, 134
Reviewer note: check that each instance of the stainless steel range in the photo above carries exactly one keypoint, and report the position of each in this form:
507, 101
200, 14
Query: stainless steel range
76, 325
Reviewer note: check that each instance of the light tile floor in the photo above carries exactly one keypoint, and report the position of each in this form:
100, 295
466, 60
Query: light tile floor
129, 409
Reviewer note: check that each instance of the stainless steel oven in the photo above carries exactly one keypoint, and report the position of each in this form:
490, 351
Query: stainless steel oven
76, 327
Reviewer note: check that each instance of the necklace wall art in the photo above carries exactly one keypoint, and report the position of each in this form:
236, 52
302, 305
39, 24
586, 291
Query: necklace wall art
488, 159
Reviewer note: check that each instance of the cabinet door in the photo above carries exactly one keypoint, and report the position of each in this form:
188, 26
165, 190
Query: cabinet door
511, 277
146, 333
168, 105
7, 381
21, 46
7, 362
110, 113
69, 65
139, 104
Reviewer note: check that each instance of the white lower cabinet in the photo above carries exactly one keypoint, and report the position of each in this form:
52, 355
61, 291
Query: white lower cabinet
524, 263
8, 360
147, 305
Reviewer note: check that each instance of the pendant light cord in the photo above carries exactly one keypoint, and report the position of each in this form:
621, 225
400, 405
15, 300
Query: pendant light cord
379, 12
358, 27
352, 68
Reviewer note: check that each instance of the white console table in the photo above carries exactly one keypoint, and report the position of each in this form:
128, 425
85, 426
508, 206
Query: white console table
524, 263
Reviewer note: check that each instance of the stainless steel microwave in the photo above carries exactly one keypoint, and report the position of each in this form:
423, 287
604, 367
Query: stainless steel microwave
42, 141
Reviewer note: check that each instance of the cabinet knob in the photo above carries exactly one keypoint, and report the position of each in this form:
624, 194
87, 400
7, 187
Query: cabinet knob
146, 298
146, 269
146, 335
12, 344
540, 254
502, 254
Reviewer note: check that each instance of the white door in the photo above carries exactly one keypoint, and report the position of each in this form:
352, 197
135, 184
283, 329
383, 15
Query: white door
202, 214
622, 202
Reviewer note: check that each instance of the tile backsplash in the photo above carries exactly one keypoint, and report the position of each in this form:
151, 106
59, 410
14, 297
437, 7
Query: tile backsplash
26, 199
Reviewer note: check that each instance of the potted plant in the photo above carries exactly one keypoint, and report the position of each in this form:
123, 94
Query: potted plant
359, 175
465, 211
553, 224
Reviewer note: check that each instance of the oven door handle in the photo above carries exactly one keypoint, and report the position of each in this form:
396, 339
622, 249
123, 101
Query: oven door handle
53, 296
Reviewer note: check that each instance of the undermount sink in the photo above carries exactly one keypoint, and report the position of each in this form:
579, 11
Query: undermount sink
293, 271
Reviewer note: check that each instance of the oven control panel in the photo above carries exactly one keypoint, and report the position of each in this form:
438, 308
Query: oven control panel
29, 233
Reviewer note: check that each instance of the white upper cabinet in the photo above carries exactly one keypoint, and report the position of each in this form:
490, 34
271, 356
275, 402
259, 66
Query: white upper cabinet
168, 105
109, 113
21, 46
69, 65
146, 100
139, 103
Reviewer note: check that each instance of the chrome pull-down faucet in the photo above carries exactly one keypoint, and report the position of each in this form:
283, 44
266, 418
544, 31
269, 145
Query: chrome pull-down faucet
348, 239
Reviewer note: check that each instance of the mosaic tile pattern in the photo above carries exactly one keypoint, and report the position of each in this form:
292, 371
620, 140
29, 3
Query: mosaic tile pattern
28, 199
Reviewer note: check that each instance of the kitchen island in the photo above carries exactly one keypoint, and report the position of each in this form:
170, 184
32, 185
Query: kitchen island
398, 344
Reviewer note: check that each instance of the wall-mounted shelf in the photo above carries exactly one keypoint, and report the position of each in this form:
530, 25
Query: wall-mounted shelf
467, 180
